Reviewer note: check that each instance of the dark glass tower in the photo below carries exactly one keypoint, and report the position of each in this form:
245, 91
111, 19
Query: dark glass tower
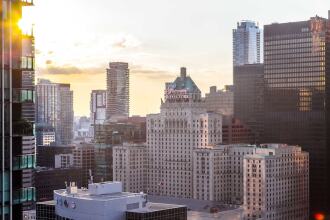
17, 121
248, 97
297, 72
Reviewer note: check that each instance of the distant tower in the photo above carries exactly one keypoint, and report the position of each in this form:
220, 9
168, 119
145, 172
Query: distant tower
97, 108
55, 109
117, 90
246, 43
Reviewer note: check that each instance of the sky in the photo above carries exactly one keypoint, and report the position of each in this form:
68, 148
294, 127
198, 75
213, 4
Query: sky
76, 39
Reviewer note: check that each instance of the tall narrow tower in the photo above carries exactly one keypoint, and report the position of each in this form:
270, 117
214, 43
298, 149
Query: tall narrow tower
246, 43
17, 150
117, 90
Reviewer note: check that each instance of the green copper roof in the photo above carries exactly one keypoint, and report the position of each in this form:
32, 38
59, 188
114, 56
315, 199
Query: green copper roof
185, 83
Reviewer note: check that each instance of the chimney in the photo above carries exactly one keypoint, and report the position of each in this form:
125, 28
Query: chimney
329, 14
183, 72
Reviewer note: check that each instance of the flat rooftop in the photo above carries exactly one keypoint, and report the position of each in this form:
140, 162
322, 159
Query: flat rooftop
154, 207
86, 195
192, 204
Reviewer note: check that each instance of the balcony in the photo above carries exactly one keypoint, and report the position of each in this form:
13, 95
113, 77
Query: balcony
24, 195
27, 2
22, 162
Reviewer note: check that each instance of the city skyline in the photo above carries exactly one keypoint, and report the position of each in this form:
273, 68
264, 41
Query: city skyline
79, 49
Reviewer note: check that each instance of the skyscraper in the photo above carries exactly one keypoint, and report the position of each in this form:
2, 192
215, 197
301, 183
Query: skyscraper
17, 97
182, 125
55, 109
297, 95
246, 43
248, 97
66, 114
98, 104
117, 90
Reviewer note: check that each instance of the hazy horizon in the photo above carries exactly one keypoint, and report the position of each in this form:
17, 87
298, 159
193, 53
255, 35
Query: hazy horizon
156, 38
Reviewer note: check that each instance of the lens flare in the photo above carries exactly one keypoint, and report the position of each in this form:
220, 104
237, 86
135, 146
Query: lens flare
319, 216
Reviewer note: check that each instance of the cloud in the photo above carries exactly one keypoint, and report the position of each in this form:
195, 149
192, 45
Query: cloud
150, 73
135, 70
125, 41
70, 70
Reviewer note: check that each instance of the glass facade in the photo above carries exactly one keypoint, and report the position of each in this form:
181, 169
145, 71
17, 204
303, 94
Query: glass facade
296, 96
17, 129
248, 97
246, 43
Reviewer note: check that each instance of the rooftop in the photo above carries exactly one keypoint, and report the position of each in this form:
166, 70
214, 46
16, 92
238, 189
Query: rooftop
192, 204
153, 207
103, 191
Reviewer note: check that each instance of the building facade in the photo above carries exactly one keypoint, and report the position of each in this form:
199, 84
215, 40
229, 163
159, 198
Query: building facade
270, 180
66, 114
84, 158
117, 90
98, 106
234, 131
220, 101
247, 43
182, 125
105, 200
297, 71
49, 179
55, 109
17, 106
130, 166
249, 97
276, 183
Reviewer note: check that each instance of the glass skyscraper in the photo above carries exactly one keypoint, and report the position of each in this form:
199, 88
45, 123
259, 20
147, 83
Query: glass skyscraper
246, 43
17, 106
297, 92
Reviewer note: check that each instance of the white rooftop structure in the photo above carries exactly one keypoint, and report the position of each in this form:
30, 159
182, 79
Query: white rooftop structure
101, 201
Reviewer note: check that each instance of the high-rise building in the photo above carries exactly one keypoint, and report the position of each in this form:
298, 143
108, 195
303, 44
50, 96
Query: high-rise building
46, 155
84, 158
17, 106
49, 179
66, 114
271, 180
248, 97
182, 125
276, 183
297, 71
247, 43
132, 129
130, 158
220, 101
98, 105
117, 90
48, 106
55, 109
